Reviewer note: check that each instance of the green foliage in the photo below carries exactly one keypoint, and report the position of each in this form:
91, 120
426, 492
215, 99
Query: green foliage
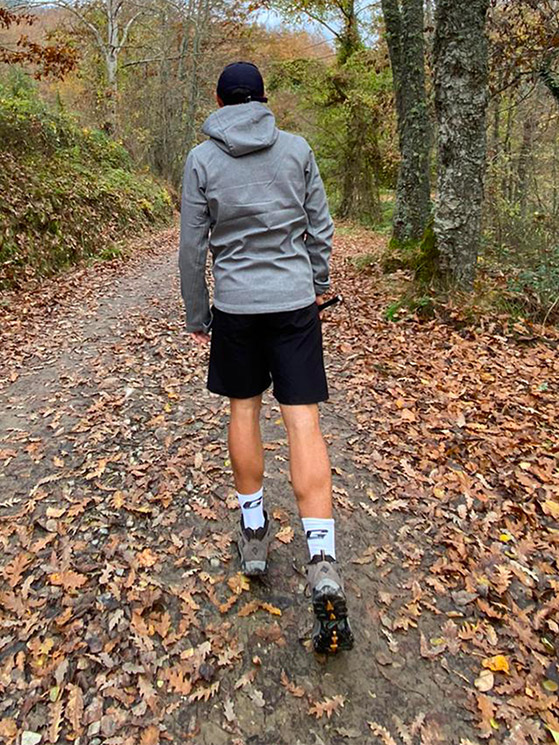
535, 291
68, 193
324, 102
422, 306
521, 254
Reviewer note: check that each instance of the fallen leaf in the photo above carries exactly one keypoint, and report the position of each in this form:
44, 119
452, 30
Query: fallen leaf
498, 663
294, 690
146, 558
14, 570
150, 735
485, 681
55, 721
382, 733
69, 580
285, 534
8, 728
229, 711
271, 609
74, 708
238, 583
326, 707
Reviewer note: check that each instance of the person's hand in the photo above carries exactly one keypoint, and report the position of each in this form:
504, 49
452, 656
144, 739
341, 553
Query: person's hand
319, 302
200, 337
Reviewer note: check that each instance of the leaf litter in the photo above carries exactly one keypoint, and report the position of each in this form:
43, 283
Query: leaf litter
124, 616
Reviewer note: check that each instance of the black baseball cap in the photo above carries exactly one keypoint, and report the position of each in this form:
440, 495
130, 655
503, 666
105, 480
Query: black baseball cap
240, 82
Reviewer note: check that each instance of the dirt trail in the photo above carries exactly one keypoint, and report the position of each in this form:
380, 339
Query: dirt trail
125, 619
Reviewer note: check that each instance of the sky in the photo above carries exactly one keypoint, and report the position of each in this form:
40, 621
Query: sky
273, 20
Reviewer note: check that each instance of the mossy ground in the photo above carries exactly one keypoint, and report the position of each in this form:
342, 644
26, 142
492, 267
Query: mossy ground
69, 193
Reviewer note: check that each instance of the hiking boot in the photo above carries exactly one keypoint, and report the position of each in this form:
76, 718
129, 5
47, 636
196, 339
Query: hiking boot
253, 548
331, 632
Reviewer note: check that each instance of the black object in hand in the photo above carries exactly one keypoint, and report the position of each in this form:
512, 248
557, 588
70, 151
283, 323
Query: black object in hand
333, 301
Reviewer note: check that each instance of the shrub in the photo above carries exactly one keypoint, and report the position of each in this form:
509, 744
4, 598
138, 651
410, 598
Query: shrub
68, 192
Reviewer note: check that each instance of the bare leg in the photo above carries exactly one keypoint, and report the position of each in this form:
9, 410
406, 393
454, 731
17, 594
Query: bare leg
245, 444
308, 461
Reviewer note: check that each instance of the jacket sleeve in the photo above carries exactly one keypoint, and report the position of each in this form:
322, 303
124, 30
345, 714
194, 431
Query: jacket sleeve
193, 249
320, 227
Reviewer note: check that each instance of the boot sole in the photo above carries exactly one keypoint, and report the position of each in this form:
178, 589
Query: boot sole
332, 632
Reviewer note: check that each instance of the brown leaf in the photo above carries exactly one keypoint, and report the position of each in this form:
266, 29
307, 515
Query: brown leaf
285, 534
146, 558
55, 721
487, 711
382, 733
69, 579
150, 735
238, 583
271, 609
177, 682
13, 571
74, 708
294, 690
247, 678
8, 728
251, 607
206, 512
204, 693
326, 707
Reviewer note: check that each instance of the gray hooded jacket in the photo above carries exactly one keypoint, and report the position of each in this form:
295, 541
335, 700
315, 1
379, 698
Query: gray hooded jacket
252, 194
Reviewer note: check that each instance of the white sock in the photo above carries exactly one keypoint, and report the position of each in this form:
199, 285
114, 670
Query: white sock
252, 506
320, 535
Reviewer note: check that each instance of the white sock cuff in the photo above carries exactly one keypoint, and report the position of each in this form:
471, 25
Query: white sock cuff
249, 497
317, 522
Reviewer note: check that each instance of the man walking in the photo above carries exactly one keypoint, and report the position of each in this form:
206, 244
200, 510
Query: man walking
253, 195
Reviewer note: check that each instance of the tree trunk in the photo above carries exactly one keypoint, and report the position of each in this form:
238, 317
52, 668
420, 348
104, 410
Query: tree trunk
461, 72
524, 161
111, 60
360, 198
404, 33
360, 188
350, 39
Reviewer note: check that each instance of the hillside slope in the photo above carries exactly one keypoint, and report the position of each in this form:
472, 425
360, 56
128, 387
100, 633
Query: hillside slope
68, 193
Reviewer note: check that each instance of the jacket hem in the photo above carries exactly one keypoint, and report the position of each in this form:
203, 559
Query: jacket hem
277, 308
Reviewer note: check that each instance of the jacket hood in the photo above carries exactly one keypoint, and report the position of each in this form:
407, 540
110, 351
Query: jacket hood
242, 128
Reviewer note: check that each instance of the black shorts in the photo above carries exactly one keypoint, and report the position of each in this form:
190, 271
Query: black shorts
249, 351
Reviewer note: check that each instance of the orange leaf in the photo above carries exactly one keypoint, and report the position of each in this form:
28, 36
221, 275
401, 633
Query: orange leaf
150, 736
56, 721
14, 570
285, 535
146, 558
69, 580
238, 583
326, 707
74, 708
271, 609
8, 728
499, 663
